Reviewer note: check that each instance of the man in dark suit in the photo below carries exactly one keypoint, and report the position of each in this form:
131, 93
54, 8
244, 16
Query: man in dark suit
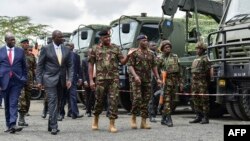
77, 80
13, 75
53, 65
90, 96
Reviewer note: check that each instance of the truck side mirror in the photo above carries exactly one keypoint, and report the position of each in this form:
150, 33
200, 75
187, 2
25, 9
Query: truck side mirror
125, 28
193, 36
166, 28
84, 35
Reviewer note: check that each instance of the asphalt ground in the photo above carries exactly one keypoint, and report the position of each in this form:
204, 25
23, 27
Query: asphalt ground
80, 129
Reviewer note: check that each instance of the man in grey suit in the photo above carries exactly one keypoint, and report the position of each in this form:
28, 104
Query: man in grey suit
53, 64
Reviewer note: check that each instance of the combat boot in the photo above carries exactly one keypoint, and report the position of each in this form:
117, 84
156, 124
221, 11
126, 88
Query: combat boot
95, 123
21, 121
112, 128
197, 118
169, 121
205, 119
144, 124
133, 122
164, 120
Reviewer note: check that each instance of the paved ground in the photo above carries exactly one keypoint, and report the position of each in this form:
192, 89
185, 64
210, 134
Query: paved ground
80, 129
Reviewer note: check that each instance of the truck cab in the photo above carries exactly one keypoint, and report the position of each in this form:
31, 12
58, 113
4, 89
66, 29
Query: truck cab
229, 49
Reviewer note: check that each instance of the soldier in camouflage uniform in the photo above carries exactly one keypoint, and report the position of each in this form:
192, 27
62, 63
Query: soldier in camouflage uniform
169, 62
24, 99
106, 57
200, 72
141, 62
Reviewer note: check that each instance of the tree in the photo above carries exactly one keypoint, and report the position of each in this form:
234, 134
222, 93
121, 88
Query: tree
21, 27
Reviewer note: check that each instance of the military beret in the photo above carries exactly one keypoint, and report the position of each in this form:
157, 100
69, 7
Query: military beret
140, 37
24, 40
104, 32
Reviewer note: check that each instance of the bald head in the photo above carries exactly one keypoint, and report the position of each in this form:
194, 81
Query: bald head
10, 39
57, 37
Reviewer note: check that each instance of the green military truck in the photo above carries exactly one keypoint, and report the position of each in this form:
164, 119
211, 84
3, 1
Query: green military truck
229, 50
85, 36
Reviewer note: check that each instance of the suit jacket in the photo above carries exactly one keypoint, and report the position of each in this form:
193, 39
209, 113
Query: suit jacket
18, 67
77, 67
85, 70
49, 72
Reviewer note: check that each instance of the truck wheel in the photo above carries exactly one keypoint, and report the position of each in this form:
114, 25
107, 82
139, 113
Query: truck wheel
125, 101
242, 106
231, 111
36, 94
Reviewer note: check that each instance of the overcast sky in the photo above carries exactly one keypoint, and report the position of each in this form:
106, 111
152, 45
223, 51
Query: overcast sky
66, 15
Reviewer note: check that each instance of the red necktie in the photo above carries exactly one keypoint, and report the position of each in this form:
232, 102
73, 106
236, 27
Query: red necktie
10, 60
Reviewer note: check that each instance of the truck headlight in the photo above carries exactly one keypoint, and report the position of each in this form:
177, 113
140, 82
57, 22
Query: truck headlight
222, 83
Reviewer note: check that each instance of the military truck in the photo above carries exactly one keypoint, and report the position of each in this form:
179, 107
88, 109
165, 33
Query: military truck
127, 28
85, 36
229, 50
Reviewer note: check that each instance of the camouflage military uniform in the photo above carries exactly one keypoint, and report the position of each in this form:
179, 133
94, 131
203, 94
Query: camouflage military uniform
170, 64
142, 63
106, 59
200, 69
24, 99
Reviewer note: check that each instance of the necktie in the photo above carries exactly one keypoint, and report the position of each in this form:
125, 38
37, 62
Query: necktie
10, 60
59, 55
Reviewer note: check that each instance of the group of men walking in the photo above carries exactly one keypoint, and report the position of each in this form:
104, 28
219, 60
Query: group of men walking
57, 72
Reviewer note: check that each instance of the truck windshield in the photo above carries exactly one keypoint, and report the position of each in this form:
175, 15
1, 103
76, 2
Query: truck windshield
152, 31
126, 38
82, 43
237, 9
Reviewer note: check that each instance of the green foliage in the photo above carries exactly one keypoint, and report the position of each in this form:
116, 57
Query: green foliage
21, 27
206, 26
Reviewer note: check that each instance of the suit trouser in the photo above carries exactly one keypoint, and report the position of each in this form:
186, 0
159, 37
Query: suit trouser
54, 100
73, 108
11, 95
0, 98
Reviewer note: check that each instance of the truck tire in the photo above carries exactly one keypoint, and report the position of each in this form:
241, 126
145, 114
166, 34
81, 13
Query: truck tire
231, 111
36, 94
242, 106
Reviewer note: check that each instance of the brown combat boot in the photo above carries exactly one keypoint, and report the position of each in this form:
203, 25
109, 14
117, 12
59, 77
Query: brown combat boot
133, 122
112, 128
95, 123
144, 124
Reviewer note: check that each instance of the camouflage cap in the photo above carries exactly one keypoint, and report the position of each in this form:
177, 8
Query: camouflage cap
24, 40
104, 32
164, 43
201, 45
140, 37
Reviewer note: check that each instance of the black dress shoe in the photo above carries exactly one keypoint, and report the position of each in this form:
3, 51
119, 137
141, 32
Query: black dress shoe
60, 118
49, 129
54, 131
13, 130
18, 129
78, 116
7, 130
